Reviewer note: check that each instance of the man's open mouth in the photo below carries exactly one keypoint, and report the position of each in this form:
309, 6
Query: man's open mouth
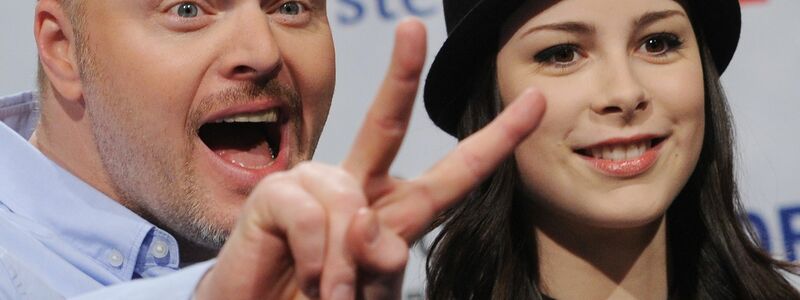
250, 140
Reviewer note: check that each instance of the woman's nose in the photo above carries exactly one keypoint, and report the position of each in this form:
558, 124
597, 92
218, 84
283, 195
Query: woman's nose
622, 94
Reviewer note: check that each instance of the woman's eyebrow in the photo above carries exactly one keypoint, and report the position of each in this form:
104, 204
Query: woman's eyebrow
582, 28
571, 27
652, 17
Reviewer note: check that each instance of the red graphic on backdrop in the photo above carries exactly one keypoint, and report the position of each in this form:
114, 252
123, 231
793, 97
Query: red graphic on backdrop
752, 1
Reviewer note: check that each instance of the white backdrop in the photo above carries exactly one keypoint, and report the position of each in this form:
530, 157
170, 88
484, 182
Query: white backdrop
763, 85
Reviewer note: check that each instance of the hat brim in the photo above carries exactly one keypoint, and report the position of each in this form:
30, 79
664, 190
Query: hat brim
451, 77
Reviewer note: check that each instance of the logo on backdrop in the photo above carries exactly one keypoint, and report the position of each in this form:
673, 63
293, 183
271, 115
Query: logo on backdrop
789, 230
351, 12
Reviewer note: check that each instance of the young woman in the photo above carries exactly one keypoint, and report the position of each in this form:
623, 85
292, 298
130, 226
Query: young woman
626, 190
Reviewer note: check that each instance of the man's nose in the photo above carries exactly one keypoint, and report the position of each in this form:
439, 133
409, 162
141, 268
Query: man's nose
253, 51
622, 95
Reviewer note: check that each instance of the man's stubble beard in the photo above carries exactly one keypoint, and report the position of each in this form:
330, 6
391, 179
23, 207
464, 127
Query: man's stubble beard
155, 180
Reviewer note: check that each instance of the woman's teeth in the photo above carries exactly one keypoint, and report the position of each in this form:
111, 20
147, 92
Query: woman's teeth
621, 151
267, 116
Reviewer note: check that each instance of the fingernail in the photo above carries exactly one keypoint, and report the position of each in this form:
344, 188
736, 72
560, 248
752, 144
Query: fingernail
342, 292
373, 229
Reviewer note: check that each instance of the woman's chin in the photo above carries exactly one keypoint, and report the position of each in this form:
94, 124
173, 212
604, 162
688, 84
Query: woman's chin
625, 222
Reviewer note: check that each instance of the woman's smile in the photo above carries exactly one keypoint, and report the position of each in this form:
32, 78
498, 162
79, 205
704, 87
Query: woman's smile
623, 157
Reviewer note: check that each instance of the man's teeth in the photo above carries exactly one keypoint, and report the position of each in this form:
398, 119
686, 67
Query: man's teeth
268, 116
621, 151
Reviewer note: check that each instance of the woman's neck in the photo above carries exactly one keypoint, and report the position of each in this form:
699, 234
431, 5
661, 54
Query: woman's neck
577, 262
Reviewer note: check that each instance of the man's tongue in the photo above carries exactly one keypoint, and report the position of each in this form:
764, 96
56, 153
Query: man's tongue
257, 157
243, 144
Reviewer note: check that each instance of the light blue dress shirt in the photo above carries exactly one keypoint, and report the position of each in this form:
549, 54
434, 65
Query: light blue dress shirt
61, 238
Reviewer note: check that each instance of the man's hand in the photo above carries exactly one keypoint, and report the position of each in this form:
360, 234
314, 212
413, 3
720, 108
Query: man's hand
343, 232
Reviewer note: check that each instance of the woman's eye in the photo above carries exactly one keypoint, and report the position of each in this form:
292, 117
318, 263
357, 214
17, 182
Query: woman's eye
291, 8
558, 55
187, 10
661, 44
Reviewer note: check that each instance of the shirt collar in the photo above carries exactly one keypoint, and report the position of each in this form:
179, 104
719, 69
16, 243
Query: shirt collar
20, 112
33, 186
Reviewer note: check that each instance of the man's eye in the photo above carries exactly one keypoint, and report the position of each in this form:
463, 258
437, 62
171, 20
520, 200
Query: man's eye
187, 10
558, 55
291, 8
661, 44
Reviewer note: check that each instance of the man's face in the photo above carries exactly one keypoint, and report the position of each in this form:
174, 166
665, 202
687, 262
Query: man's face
192, 103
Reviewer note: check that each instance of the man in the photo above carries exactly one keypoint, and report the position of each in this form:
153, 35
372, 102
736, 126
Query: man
159, 123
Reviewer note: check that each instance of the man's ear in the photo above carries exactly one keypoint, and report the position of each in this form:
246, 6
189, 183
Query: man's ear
55, 41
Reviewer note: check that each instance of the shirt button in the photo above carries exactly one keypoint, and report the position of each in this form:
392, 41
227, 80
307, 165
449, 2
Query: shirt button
115, 258
160, 249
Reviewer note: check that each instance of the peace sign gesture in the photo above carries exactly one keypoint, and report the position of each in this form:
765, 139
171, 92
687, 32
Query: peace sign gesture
343, 232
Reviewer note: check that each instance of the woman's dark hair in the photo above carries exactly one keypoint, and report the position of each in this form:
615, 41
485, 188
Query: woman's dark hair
486, 249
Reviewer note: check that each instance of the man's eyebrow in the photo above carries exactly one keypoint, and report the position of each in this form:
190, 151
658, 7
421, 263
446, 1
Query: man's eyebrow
652, 17
571, 27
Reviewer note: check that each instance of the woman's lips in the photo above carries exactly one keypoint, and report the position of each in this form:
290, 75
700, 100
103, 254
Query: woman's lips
628, 167
608, 159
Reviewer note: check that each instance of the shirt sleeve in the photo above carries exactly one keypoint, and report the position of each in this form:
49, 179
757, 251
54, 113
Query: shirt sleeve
8, 289
17, 282
178, 285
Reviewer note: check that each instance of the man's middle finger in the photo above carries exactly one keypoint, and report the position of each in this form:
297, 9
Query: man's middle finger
341, 196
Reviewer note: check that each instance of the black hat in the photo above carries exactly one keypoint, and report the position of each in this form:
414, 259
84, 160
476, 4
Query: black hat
473, 28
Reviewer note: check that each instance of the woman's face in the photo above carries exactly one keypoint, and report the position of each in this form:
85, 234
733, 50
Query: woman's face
624, 123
